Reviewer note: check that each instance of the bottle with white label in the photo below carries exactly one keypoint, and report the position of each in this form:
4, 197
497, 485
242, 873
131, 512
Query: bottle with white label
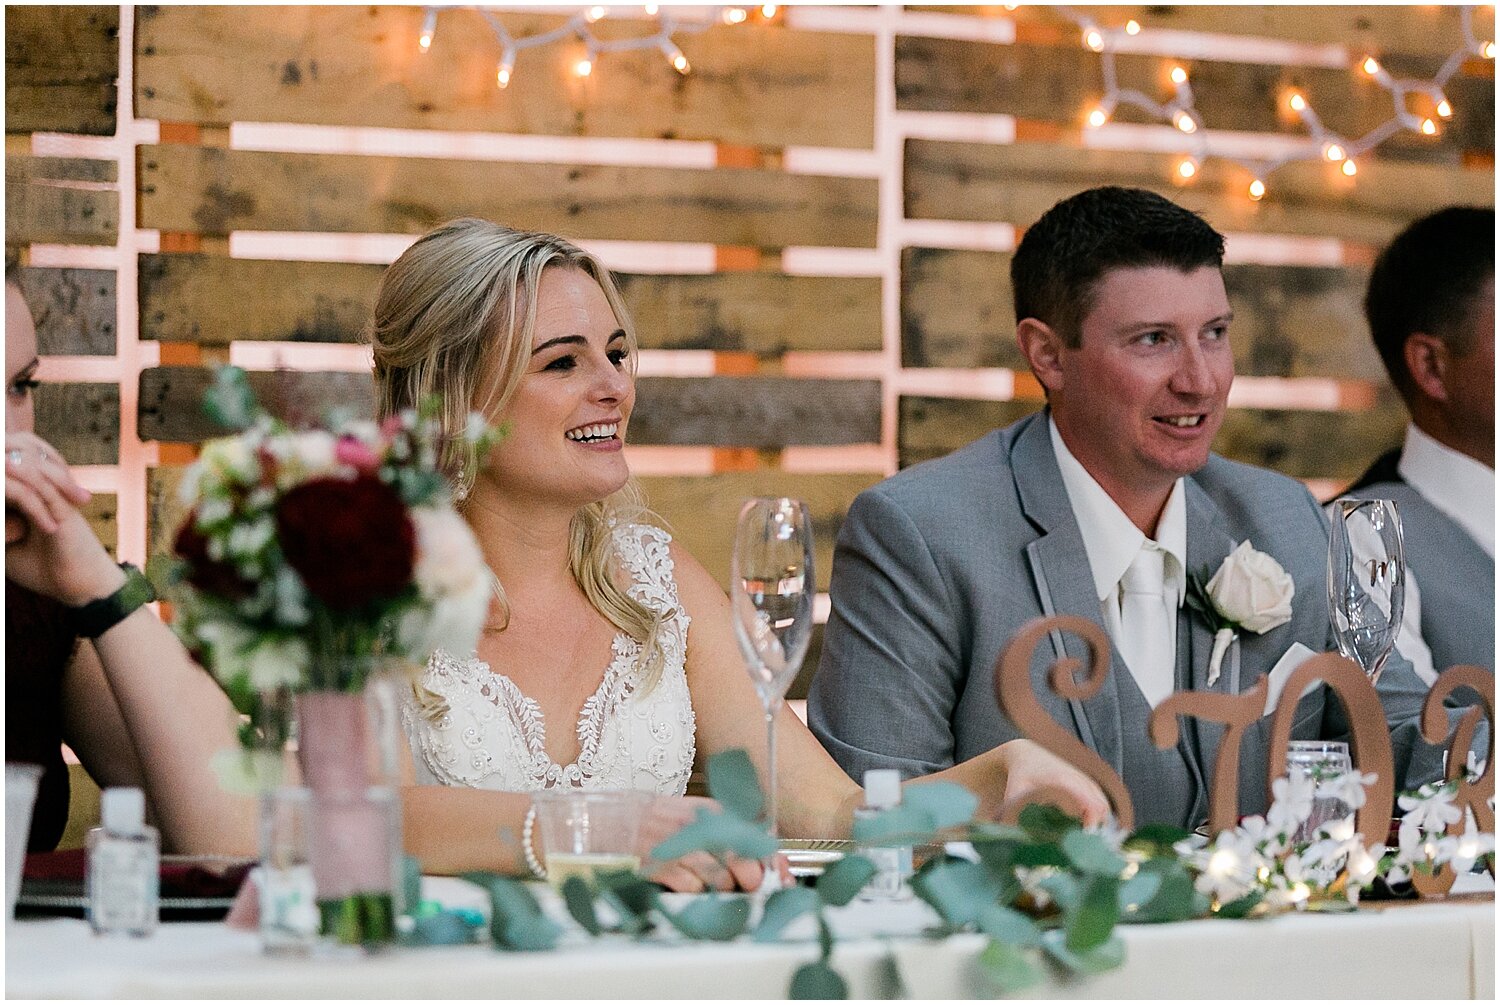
122, 874
892, 862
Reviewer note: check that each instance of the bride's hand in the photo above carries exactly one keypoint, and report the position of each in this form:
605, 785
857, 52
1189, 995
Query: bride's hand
698, 871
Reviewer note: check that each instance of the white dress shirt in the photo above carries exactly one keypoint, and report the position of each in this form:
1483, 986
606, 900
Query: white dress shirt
1460, 487
1112, 542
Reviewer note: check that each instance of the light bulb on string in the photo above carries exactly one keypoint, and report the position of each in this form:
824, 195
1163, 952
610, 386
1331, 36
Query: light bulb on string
1429, 127
1187, 168
1097, 118
735, 15
1487, 50
1297, 102
1349, 168
1179, 76
651, 9
768, 11
1132, 27
429, 28
594, 14
1184, 122
1370, 66
504, 70
1333, 152
1257, 190
584, 66
1444, 110
1093, 39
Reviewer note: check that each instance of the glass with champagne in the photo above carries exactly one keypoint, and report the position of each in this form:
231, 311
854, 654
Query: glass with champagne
587, 834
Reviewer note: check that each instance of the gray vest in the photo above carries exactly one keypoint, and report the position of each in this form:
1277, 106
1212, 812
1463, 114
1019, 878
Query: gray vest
1165, 785
1456, 577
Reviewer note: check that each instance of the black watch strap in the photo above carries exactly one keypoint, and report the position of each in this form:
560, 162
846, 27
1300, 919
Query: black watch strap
96, 617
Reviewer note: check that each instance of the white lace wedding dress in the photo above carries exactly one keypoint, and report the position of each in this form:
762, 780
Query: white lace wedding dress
492, 736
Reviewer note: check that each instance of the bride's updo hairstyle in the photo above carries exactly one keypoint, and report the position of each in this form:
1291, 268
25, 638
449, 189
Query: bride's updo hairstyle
455, 318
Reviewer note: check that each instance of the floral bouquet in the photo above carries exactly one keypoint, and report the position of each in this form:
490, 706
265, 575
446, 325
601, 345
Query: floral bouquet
311, 562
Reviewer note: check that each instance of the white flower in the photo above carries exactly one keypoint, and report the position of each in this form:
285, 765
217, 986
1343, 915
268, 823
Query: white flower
247, 539
1252, 590
314, 451
229, 644
1364, 864
1229, 867
449, 560
1348, 787
1430, 810
278, 663
231, 458
1462, 851
1291, 803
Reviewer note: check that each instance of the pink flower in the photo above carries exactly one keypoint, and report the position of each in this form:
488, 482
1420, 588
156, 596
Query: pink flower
357, 454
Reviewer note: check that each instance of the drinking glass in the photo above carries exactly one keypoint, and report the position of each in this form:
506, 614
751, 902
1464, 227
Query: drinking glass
1320, 761
289, 918
586, 834
771, 590
1366, 580
21, 781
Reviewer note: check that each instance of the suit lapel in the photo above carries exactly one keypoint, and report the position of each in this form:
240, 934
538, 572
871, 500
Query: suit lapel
1059, 568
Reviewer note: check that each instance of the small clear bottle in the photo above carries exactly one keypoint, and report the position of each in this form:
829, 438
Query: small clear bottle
123, 867
892, 862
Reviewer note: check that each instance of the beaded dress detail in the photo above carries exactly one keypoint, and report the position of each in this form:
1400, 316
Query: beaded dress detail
492, 736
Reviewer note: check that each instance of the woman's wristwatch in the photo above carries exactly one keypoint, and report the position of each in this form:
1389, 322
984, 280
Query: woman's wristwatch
96, 617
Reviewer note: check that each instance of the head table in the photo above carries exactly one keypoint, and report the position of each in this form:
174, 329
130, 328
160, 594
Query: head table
1435, 949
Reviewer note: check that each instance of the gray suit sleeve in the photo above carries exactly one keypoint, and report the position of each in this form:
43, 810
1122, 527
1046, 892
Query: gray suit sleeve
890, 675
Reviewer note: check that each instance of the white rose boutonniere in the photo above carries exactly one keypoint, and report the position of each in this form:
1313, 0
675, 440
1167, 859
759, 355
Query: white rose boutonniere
1250, 592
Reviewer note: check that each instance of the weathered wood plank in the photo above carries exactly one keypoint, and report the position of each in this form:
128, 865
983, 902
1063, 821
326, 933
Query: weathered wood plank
60, 200
201, 298
755, 312
103, 514
171, 399
767, 412
81, 420
1289, 321
1429, 30
750, 85
61, 69
1017, 183
214, 191
164, 510
74, 310
1052, 83
701, 512
1336, 445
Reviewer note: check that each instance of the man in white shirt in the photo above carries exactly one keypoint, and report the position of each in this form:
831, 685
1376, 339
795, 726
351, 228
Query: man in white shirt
1106, 506
1431, 309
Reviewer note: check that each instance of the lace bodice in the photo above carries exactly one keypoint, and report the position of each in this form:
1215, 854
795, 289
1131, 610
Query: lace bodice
492, 736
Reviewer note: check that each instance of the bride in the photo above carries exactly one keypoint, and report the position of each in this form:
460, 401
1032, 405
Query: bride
609, 662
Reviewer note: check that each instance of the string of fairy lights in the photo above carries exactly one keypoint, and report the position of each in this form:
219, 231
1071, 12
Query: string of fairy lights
579, 27
1323, 144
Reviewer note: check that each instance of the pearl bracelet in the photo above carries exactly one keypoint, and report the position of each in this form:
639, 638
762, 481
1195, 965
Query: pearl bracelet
526, 831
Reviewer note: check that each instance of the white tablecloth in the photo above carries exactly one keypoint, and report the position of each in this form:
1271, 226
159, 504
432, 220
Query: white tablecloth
1427, 950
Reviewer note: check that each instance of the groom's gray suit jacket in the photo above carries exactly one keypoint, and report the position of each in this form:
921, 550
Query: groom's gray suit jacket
939, 566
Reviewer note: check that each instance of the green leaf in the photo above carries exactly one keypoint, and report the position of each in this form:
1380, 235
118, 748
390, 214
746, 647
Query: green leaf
1040, 853
633, 897
844, 879
1102, 959
580, 903
411, 882
1174, 899
444, 928
825, 939
1138, 891
1009, 926
516, 919
1009, 967
1091, 853
732, 781
1157, 838
905, 822
946, 804
817, 982
712, 917
1090, 923
959, 891
717, 834
1065, 889
229, 401
782, 908
1045, 822
1241, 908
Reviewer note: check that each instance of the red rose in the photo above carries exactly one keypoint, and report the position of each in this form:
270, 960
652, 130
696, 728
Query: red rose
349, 539
207, 574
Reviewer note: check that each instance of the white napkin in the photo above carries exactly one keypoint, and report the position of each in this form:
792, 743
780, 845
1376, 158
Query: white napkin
1290, 661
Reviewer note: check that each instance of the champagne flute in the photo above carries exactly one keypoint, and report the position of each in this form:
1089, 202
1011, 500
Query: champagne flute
771, 591
1366, 580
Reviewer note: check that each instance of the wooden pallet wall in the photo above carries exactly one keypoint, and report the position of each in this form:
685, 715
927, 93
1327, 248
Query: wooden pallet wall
759, 95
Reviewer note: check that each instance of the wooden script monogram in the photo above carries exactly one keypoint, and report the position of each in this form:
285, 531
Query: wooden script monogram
1369, 735
1473, 796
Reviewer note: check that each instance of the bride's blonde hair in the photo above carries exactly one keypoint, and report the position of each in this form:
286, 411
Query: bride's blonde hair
454, 319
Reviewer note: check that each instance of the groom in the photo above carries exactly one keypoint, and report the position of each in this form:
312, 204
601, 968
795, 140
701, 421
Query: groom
1102, 506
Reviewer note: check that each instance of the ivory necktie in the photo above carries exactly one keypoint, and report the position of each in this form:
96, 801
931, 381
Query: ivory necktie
1146, 625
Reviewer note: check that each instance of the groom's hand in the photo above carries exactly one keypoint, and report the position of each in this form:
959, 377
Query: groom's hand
1030, 769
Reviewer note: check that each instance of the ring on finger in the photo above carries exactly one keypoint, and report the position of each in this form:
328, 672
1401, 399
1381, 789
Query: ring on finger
15, 455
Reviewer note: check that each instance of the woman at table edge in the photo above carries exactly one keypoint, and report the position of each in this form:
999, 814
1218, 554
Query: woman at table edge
129, 702
532, 332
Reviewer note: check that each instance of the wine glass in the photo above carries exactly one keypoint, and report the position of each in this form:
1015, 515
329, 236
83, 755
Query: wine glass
771, 591
1366, 580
